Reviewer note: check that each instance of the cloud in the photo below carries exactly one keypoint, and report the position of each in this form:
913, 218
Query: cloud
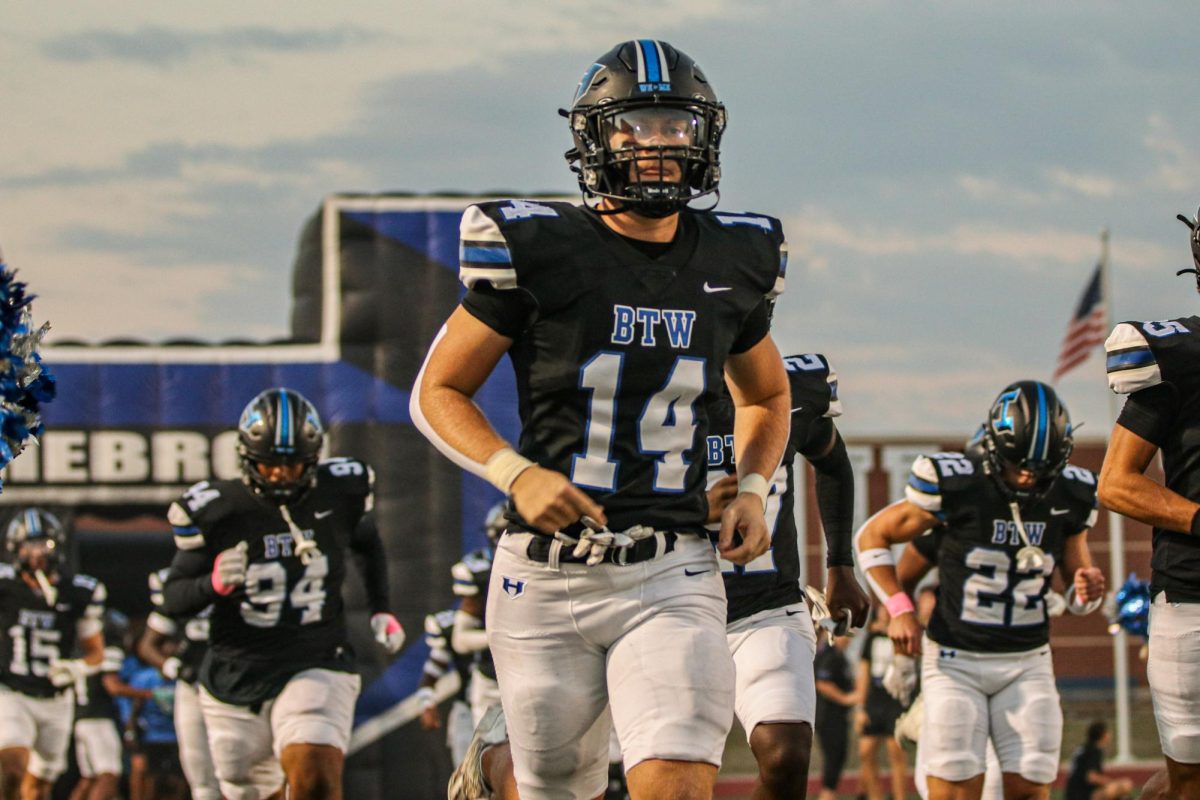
1088, 185
1177, 164
161, 46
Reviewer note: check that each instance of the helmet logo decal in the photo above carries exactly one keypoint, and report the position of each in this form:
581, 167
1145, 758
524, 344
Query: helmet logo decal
653, 74
1005, 423
585, 83
1041, 433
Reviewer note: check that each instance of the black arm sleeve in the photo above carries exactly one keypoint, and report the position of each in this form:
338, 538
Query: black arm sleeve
756, 325
372, 563
1150, 413
835, 500
188, 588
508, 313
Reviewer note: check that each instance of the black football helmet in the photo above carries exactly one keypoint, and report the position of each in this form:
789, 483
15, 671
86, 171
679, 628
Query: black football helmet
1028, 427
495, 523
280, 427
35, 539
647, 127
1194, 226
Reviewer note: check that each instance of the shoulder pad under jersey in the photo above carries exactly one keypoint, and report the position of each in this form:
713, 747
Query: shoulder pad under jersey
932, 476
486, 243
470, 574
351, 476
761, 235
1079, 486
814, 385
196, 511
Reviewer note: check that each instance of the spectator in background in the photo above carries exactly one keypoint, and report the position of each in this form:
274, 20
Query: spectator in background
1087, 780
876, 720
835, 698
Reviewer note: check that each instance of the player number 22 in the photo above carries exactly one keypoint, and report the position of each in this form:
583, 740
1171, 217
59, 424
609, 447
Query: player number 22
666, 428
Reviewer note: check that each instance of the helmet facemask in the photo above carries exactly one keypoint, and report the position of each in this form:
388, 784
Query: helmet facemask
35, 541
1194, 227
279, 443
1028, 429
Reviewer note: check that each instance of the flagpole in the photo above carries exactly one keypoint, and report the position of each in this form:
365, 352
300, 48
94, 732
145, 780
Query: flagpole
1116, 542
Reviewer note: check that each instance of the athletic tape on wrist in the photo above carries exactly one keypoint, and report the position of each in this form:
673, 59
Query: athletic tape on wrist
756, 485
503, 467
898, 604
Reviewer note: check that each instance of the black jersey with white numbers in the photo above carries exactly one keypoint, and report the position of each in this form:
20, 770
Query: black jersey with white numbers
288, 616
92, 700
471, 578
773, 579
1158, 365
37, 632
619, 355
985, 603
439, 635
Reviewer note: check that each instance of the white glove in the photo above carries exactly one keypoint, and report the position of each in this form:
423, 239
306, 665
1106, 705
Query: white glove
1056, 604
69, 671
821, 615
900, 679
1076, 606
426, 698
388, 631
908, 725
597, 539
229, 570
170, 668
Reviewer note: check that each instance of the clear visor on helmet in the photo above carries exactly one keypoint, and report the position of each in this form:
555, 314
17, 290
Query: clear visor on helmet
653, 126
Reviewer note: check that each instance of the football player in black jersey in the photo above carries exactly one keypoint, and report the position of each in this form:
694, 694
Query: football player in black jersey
45, 614
622, 317
98, 747
176, 648
768, 616
269, 553
1011, 514
1156, 365
471, 578
443, 657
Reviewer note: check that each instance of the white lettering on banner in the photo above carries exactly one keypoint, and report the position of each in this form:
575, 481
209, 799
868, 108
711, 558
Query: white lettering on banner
99, 463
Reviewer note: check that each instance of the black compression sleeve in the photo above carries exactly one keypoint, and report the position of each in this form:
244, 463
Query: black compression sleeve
835, 501
188, 588
1150, 413
372, 563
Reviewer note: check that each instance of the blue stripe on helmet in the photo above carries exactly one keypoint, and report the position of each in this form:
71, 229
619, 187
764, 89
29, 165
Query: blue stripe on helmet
33, 522
285, 421
1042, 440
650, 54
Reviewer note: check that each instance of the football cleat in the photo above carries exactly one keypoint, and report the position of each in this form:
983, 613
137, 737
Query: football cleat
468, 781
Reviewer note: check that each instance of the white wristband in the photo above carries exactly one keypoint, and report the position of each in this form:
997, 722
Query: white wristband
1077, 606
503, 467
756, 485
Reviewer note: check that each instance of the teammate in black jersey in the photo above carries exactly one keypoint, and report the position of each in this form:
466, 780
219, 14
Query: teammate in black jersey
98, 749
444, 658
768, 616
622, 318
268, 552
1011, 515
176, 647
1158, 365
471, 578
45, 614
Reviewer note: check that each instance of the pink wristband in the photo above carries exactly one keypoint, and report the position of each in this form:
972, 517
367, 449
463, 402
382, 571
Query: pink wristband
898, 604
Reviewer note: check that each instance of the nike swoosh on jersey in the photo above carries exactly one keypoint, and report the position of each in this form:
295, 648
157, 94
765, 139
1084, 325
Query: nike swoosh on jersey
689, 573
1058, 512
794, 613
714, 289
322, 514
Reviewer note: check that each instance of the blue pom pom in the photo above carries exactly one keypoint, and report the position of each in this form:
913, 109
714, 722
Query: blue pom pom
25, 384
1132, 608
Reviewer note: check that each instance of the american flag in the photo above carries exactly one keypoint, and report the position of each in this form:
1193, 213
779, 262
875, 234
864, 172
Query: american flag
1087, 328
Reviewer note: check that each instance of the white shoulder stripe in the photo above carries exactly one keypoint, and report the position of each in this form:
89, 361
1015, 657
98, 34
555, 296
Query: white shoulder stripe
503, 279
193, 542
1131, 363
477, 226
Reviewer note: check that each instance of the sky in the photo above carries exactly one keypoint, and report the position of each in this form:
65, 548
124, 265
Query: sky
942, 169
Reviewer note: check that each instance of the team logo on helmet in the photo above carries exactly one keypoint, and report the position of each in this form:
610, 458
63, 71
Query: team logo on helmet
1029, 429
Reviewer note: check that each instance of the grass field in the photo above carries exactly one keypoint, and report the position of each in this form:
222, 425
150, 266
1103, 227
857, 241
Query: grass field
1080, 708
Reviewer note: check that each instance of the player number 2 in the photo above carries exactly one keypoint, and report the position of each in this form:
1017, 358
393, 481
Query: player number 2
666, 428
266, 588
986, 600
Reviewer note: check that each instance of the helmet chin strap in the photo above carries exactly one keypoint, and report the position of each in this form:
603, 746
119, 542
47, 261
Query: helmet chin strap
48, 590
302, 546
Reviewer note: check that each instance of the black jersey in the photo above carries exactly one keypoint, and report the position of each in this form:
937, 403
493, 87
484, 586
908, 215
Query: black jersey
985, 603
36, 633
439, 635
92, 700
192, 635
288, 616
617, 355
773, 579
1158, 365
471, 578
